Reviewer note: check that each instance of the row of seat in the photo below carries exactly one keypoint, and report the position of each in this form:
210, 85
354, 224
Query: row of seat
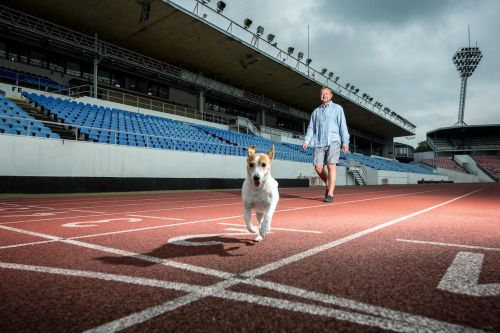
36, 80
14, 120
115, 126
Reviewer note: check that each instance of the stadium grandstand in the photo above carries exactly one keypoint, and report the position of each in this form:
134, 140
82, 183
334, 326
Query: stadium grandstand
468, 149
157, 96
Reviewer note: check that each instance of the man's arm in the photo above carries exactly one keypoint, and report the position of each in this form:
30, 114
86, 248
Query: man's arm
344, 133
310, 131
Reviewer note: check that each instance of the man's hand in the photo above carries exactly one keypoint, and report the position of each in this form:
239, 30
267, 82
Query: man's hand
345, 149
304, 146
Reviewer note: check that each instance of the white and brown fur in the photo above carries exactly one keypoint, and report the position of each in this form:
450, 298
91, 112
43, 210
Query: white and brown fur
259, 191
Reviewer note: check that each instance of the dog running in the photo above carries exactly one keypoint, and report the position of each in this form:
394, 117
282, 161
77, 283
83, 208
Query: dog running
259, 192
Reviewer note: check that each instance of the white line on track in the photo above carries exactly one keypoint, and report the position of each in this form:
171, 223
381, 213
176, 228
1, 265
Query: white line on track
158, 217
221, 205
274, 228
450, 245
364, 314
221, 288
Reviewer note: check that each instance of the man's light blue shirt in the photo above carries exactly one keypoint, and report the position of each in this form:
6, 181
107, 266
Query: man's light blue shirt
327, 125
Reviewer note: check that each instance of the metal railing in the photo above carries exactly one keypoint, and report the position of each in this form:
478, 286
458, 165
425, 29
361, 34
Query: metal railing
141, 102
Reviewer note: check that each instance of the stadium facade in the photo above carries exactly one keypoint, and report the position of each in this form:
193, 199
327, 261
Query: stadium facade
159, 59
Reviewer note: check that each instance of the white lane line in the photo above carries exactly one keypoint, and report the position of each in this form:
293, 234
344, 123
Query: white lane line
354, 317
157, 217
382, 319
267, 267
274, 228
156, 260
85, 211
221, 205
27, 244
210, 220
450, 245
286, 261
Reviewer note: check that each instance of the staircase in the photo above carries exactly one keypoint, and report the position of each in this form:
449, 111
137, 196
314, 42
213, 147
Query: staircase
36, 113
356, 174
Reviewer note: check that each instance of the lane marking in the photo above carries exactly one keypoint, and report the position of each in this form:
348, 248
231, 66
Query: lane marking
158, 217
274, 228
462, 277
197, 292
286, 261
283, 262
450, 245
87, 224
256, 272
220, 205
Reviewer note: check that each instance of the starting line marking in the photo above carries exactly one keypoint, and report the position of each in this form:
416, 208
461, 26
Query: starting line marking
450, 245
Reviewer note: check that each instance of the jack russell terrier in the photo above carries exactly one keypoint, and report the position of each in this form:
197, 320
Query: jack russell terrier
259, 191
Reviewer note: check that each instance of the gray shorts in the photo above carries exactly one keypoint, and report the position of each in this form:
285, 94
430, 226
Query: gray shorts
327, 155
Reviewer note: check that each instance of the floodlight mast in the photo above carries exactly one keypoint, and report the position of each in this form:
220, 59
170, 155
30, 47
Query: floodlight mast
466, 60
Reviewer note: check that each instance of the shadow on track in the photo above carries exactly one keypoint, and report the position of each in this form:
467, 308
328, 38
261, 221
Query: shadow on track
172, 251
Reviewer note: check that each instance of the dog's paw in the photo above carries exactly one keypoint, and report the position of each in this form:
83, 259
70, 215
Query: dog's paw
258, 238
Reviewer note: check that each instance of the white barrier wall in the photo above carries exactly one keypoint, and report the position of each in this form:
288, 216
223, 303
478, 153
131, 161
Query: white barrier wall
382, 177
31, 156
470, 165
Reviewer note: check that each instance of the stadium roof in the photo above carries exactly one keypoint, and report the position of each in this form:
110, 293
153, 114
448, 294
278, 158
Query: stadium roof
180, 38
466, 131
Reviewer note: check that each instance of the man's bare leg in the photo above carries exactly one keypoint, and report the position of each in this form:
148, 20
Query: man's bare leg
332, 177
320, 170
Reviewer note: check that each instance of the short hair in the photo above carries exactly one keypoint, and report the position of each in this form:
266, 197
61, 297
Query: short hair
322, 88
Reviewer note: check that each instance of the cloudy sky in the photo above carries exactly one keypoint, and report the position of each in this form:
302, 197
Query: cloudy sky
398, 51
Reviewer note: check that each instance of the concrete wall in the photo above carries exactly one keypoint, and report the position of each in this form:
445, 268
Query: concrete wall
382, 177
470, 166
30, 156
458, 177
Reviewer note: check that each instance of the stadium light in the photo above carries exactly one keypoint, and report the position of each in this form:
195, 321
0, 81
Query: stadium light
466, 60
290, 50
308, 61
323, 71
260, 30
247, 23
220, 6
270, 38
364, 95
347, 85
330, 75
300, 55
370, 99
336, 79
356, 91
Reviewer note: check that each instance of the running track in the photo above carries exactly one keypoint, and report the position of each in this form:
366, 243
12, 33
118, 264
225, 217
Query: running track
423, 258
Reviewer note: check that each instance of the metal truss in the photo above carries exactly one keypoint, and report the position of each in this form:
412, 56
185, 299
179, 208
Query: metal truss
13, 19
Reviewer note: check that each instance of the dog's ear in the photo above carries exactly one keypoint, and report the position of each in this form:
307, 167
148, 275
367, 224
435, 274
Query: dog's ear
271, 153
251, 150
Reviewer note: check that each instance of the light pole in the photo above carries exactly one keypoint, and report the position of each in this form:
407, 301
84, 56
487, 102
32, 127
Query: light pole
466, 59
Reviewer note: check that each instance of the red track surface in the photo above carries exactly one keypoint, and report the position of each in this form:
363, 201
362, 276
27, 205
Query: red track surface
387, 258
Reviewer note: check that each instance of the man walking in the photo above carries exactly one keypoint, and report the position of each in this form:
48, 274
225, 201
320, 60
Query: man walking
327, 133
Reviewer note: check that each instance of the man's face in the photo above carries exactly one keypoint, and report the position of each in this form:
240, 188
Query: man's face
325, 95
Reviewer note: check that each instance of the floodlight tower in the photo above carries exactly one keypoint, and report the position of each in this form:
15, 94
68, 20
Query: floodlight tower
466, 59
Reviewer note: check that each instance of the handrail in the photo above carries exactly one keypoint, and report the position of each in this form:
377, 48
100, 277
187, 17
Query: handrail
354, 163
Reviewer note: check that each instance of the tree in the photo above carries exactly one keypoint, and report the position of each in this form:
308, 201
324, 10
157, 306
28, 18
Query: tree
423, 146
